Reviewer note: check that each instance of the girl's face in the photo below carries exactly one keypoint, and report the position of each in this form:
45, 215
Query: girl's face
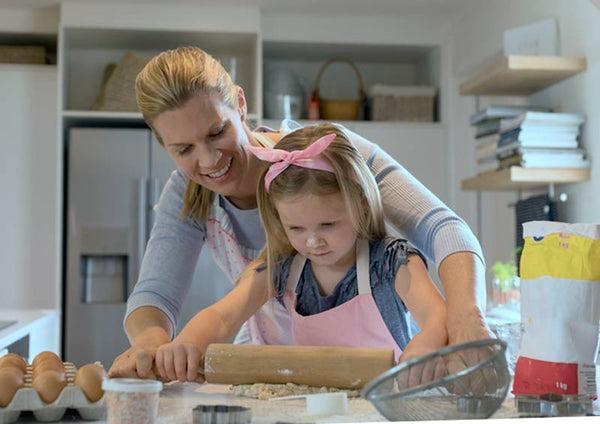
206, 139
319, 227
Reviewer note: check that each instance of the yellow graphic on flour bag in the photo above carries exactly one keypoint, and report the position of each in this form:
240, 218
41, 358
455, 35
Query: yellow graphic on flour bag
548, 251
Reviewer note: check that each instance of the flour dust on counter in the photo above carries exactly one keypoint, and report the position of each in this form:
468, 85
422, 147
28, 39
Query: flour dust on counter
266, 391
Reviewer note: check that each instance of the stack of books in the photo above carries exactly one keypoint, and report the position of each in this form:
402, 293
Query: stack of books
541, 140
487, 124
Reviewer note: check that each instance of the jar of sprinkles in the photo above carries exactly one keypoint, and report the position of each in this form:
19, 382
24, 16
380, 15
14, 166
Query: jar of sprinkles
131, 400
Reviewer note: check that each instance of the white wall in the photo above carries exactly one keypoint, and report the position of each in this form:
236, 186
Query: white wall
38, 20
28, 176
476, 37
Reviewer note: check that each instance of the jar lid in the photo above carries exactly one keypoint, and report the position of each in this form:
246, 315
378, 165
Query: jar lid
131, 385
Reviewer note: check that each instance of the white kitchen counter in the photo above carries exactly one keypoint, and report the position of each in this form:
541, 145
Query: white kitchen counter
178, 399
34, 330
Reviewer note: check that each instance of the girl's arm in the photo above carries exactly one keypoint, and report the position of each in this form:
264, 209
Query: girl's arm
180, 359
425, 304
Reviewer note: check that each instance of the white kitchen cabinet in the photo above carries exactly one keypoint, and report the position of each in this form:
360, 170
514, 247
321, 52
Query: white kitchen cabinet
30, 212
93, 35
393, 65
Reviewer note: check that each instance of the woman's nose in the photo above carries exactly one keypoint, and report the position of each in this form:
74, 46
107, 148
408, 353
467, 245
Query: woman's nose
208, 158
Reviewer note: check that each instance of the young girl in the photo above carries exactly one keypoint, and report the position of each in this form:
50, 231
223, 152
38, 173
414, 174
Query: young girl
328, 260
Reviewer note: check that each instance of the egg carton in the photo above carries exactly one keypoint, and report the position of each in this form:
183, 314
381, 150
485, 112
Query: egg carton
27, 399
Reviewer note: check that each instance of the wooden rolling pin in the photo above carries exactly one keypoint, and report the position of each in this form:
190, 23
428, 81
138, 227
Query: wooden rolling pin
342, 367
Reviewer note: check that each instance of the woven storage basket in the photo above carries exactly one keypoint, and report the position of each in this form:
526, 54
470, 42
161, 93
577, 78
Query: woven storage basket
402, 103
118, 89
23, 54
340, 109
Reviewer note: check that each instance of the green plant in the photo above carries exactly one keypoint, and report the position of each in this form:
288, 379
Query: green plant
505, 272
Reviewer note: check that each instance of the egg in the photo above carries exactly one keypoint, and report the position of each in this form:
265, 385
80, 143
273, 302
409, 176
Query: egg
43, 356
89, 379
49, 364
49, 384
14, 360
10, 380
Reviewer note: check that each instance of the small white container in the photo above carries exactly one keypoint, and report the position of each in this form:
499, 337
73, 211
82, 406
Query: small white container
131, 400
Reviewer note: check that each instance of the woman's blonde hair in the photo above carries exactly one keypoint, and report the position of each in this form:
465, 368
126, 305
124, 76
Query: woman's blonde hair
166, 83
351, 178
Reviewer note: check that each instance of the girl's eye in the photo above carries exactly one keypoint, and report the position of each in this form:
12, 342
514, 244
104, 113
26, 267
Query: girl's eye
328, 224
294, 228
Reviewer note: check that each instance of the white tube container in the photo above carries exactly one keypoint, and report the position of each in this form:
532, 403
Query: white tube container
131, 400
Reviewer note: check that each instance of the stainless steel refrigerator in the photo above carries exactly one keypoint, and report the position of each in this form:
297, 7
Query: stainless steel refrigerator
114, 177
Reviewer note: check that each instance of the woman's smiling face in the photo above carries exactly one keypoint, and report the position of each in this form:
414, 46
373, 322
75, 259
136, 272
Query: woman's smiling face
206, 139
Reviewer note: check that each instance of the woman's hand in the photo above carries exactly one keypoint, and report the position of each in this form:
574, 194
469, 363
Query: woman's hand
179, 361
423, 373
135, 362
467, 325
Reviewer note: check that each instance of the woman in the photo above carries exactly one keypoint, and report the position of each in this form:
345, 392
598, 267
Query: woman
198, 116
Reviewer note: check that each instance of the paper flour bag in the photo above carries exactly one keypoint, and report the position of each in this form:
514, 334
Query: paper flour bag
560, 309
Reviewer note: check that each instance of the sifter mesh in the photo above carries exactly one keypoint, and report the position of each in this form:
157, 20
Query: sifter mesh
457, 382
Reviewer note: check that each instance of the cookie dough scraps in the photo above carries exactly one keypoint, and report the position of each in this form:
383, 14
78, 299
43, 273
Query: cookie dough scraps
266, 391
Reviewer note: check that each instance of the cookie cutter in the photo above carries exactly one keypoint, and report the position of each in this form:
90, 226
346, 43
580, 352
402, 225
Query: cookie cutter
553, 405
475, 405
221, 414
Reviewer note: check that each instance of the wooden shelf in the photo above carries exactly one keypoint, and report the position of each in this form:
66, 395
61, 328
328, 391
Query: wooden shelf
522, 75
518, 178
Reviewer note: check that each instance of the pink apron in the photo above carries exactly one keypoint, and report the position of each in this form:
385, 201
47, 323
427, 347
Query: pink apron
356, 323
270, 324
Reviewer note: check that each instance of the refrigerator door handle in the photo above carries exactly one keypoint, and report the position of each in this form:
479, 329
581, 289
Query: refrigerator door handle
141, 224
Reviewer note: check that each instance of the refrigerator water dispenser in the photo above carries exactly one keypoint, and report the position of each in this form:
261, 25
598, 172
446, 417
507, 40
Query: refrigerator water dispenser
104, 265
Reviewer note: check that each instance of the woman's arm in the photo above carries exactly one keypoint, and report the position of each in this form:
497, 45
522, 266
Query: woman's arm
180, 359
425, 304
147, 329
440, 234
154, 306
461, 274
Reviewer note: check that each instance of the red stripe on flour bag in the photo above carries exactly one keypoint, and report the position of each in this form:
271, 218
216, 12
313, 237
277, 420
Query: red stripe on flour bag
535, 377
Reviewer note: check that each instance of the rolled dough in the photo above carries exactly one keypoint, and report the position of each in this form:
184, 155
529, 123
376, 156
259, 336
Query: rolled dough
267, 391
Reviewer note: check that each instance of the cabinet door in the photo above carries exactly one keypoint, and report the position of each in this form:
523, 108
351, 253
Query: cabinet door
28, 169
106, 179
210, 284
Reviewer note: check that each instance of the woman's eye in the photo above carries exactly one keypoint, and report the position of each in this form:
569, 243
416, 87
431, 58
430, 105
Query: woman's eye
183, 151
219, 132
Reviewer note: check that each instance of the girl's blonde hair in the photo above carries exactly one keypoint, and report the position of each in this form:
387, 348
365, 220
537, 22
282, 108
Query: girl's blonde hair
351, 178
166, 83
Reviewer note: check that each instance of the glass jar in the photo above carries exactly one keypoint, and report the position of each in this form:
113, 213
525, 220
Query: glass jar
506, 292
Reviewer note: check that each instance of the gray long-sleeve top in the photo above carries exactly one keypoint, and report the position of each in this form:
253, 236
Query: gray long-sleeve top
175, 244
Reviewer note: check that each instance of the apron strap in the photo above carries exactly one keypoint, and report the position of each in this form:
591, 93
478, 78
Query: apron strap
296, 268
362, 266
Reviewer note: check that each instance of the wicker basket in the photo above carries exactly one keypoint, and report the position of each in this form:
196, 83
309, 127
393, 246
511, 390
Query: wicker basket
23, 54
397, 103
340, 109
118, 87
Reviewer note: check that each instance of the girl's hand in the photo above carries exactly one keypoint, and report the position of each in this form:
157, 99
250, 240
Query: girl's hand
179, 361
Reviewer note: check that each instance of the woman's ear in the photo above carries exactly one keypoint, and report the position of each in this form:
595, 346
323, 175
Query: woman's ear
241, 102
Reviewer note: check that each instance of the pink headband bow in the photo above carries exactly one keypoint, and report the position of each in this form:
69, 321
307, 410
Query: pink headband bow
307, 158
